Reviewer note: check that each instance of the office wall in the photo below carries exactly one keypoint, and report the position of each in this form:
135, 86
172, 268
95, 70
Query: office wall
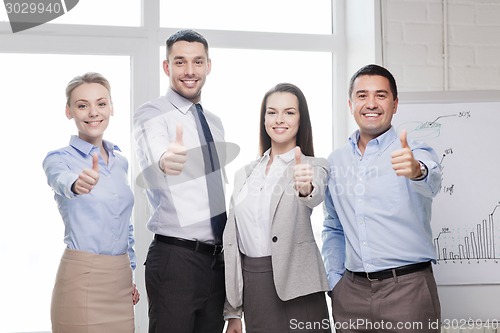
441, 45
436, 45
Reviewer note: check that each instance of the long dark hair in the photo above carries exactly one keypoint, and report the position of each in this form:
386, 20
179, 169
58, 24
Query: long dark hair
304, 137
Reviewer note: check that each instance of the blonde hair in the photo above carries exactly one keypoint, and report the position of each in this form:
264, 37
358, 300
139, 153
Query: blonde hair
90, 77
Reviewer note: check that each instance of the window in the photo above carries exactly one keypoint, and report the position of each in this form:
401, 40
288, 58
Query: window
35, 123
289, 16
97, 12
109, 12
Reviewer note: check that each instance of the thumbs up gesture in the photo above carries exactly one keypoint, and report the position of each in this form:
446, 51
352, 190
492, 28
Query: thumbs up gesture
173, 160
302, 175
88, 178
403, 161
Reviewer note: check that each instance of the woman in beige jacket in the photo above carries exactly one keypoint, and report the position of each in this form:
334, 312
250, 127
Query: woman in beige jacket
274, 270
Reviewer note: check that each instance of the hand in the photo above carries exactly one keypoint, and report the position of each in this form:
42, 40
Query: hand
403, 161
302, 175
234, 326
173, 160
135, 295
88, 178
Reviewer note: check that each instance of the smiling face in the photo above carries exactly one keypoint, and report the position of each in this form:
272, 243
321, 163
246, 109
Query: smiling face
187, 67
372, 105
281, 121
90, 107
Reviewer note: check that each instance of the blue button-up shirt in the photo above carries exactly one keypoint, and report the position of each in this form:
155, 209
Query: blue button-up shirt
100, 221
376, 220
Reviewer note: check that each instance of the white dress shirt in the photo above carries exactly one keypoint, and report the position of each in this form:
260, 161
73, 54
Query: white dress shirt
180, 203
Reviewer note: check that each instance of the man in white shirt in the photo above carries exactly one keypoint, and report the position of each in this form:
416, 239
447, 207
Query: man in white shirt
176, 149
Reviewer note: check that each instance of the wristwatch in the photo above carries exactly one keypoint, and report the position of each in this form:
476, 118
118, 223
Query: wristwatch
423, 170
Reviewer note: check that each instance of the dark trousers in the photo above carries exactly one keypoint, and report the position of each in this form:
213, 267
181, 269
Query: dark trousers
185, 290
407, 303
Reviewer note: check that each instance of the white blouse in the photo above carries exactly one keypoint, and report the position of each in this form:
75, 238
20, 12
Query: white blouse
252, 205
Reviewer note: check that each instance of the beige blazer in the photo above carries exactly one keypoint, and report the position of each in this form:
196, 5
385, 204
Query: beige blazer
298, 267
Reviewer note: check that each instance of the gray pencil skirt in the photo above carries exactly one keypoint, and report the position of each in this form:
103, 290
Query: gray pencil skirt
92, 294
264, 311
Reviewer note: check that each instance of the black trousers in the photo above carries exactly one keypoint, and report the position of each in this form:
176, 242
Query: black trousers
185, 289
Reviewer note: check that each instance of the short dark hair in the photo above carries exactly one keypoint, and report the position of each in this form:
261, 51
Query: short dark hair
188, 36
373, 69
304, 135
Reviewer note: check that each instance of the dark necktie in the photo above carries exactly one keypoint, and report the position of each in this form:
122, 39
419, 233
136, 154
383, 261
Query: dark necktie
213, 176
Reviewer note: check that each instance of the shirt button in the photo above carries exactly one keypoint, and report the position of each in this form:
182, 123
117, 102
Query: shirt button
275, 239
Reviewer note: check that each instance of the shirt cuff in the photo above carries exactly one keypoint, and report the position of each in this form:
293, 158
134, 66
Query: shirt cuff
232, 317
312, 194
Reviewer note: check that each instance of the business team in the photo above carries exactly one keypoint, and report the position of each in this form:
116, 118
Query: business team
265, 266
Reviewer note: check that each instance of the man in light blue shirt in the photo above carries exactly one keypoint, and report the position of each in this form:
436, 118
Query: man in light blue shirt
377, 239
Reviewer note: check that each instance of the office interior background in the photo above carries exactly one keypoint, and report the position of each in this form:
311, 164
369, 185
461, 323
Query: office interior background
429, 45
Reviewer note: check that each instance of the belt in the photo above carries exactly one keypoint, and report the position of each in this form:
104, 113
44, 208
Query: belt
211, 249
389, 273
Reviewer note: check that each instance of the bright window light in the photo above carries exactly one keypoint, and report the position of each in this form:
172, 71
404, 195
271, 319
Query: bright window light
289, 16
34, 107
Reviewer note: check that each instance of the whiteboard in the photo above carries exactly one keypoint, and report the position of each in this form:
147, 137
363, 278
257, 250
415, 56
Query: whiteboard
464, 129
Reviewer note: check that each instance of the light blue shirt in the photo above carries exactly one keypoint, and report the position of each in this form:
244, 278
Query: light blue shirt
374, 219
100, 221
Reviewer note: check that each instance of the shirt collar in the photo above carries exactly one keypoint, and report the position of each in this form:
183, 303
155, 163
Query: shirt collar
180, 103
285, 157
85, 147
384, 140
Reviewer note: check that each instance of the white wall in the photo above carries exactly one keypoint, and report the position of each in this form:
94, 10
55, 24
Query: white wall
436, 45
439, 45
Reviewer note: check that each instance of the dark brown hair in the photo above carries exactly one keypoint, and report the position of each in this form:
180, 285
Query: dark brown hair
304, 135
375, 70
186, 35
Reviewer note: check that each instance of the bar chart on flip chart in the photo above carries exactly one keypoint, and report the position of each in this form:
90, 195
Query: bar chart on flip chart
478, 244
465, 134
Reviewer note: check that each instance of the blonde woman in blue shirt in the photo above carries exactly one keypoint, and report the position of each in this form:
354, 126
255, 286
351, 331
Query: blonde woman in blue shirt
93, 291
